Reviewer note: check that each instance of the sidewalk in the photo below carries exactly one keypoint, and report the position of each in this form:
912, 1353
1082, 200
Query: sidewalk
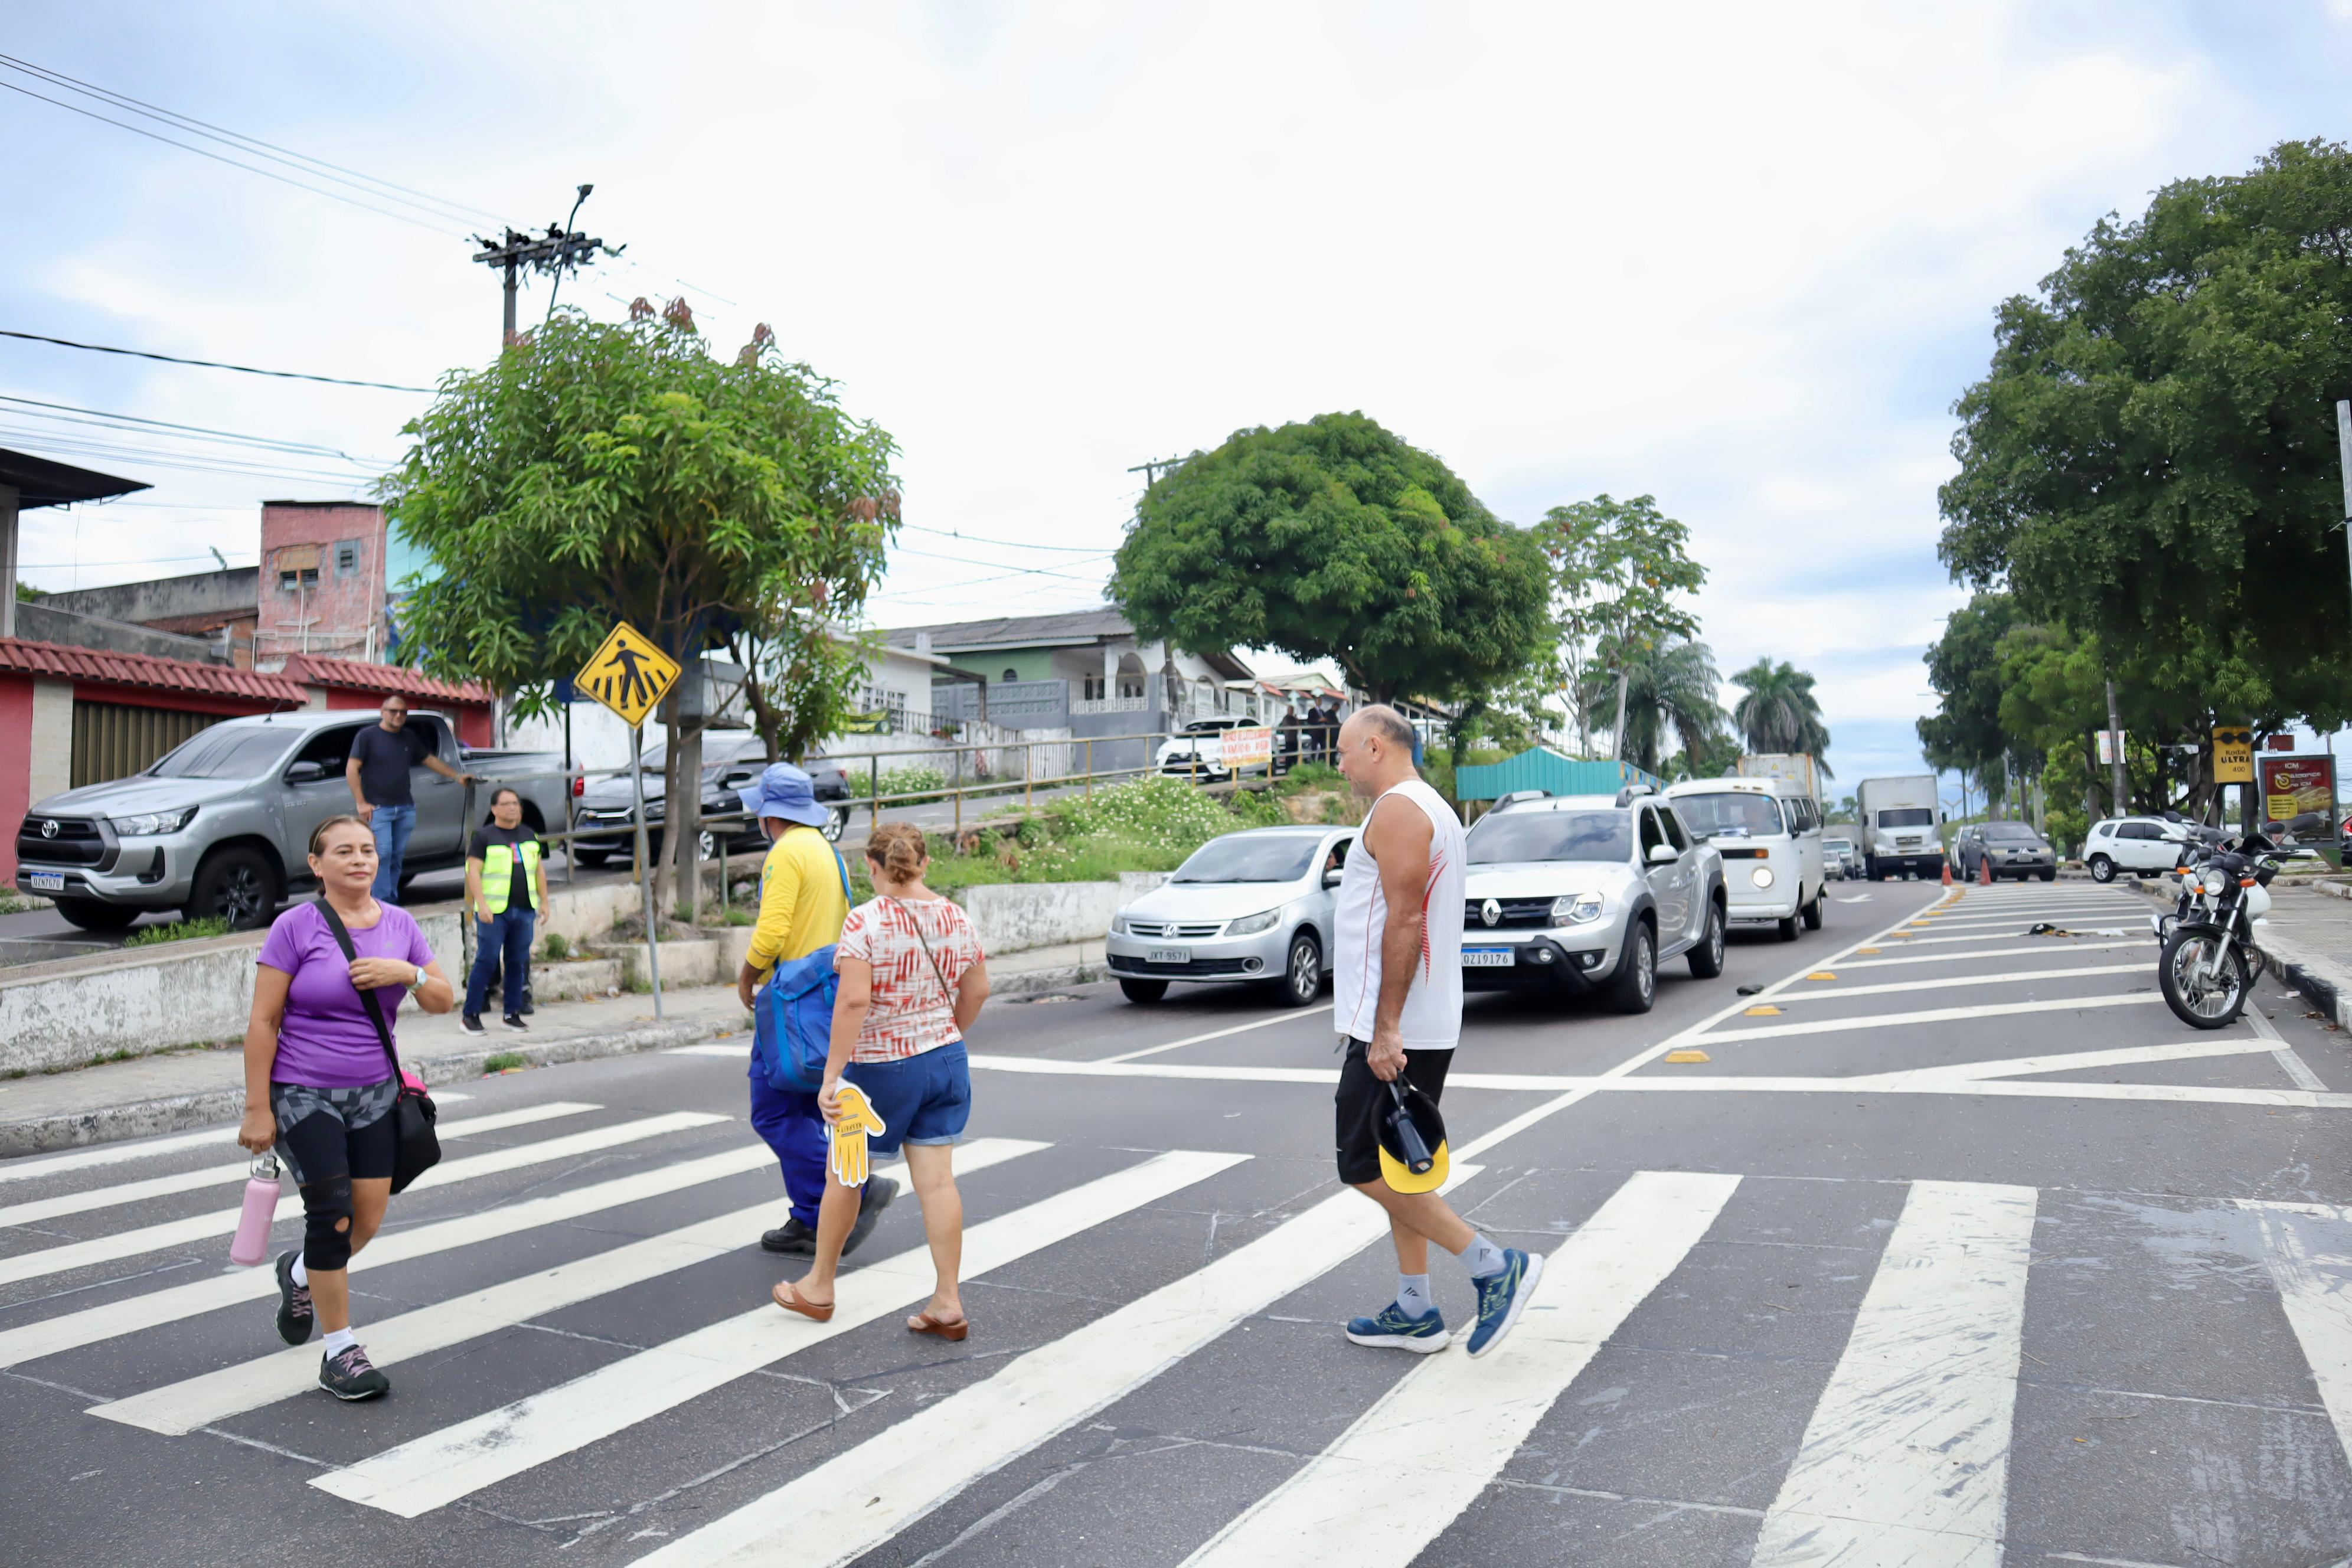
199, 1087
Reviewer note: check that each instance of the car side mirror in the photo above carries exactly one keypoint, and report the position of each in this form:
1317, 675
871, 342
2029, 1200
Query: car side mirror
1331, 877
1662, 854
306, 772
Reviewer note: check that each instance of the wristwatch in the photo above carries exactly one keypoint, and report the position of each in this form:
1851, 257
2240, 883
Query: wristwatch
418, 983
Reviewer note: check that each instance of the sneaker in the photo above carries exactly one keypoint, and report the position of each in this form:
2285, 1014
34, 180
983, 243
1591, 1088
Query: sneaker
791, 1237
1503, 1295
1391, 1329
514, 1021
350, 1375
471, 1023
879, 1191
294, 1321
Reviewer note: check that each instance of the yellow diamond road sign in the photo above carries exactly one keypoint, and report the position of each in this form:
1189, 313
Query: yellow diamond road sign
628, 674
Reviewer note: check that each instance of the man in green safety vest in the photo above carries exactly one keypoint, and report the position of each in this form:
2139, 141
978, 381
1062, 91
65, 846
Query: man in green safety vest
506, 887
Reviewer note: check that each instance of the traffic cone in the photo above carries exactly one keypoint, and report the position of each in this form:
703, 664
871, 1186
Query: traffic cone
1984, 871
1947, 873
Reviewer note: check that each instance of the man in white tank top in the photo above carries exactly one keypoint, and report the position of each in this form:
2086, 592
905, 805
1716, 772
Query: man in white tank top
1396, 988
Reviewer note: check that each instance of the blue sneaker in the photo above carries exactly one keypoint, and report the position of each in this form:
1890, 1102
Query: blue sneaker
1502, 1295
1391, 1328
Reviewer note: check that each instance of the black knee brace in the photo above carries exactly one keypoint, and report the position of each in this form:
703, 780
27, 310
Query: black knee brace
327, 1221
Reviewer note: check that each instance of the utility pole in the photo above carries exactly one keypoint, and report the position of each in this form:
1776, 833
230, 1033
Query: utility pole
2116, 754
1151, 470
560, 249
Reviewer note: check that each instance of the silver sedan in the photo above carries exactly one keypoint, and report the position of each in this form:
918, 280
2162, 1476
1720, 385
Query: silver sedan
1249, 908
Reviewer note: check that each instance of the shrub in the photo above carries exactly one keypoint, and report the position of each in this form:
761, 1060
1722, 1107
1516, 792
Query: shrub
555, 948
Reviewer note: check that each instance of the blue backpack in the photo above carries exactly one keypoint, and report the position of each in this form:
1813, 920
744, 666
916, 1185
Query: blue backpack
791, 1031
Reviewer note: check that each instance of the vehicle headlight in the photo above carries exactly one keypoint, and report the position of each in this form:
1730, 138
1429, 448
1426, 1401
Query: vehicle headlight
1761, 876
1576, 909
148, 825
1119, 925
1250, 925
2215, 882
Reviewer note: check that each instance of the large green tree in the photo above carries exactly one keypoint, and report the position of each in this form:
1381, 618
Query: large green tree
1780, 712
597, 472
2152, 459
1334, 539
1619, 571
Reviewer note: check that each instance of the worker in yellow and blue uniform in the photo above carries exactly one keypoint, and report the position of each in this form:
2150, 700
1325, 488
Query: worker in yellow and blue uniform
802, 905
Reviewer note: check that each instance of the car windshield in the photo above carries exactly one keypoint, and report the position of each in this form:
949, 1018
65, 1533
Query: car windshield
1748, 816
1251, 857
1552, 836
223, 753
1906, 816
2010, 833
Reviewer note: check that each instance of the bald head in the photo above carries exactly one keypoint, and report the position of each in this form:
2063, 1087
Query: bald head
1376, 749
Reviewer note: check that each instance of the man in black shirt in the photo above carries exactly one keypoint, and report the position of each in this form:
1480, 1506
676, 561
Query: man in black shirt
382, 755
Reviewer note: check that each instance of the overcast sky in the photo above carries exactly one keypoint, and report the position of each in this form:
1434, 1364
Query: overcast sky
1739, 257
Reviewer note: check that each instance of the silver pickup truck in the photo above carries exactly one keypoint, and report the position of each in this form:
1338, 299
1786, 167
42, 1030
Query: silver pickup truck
221, 824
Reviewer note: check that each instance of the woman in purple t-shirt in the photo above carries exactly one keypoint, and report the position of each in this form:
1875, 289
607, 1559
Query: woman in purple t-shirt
319, 1085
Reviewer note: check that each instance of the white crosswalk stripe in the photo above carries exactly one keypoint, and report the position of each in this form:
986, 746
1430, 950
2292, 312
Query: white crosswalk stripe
457, 1461
2309, 1248
39, 1209
223, 1222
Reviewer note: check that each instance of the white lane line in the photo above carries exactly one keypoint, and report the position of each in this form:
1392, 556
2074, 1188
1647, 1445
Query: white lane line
1344, 1509
223, 1222
1217, 1034
1907, 940
176, 1409
136, 1314
216, 1175
2045, 950
1926, 1016
457, 1461
1826, 993
2310, 1259
2297, 1071
1906, 1455
2073, 1061
215, 1139
1571, 1089
740, 1051
864, 1495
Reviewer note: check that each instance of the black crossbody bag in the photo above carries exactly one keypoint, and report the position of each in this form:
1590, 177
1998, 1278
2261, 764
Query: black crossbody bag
417, 1146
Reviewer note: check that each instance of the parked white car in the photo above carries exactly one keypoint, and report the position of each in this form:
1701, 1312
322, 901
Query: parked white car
2142, 846
1197, 749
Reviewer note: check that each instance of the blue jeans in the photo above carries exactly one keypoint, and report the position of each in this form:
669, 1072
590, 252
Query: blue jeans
502, 940
392, 825
792, 1126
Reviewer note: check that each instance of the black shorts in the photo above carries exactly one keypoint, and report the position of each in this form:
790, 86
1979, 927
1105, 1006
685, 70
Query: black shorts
317, 1140
1363, 1099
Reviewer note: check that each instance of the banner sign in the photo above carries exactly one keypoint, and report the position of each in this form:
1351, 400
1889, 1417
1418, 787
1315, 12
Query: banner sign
2233, 755
1246, 748
2295, 784
2110, 745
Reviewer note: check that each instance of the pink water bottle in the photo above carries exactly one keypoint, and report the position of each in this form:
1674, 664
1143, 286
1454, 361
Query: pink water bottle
252, 1243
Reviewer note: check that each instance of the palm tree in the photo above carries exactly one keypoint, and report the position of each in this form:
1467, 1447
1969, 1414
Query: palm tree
1779, 712
1668, 686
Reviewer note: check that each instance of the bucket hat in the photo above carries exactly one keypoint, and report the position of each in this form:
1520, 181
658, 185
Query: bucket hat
1413, 1141
786, 792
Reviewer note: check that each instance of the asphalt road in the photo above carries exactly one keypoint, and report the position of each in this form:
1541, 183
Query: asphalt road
1968, 1254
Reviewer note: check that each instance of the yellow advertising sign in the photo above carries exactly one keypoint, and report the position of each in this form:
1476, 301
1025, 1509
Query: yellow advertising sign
2233, 755
628, 674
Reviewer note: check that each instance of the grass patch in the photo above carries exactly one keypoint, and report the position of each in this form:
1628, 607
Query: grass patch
178, 930
12, 903
1149, 825
506, 1062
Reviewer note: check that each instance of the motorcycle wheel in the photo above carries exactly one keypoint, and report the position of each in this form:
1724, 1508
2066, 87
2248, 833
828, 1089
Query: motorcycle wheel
2200, 1003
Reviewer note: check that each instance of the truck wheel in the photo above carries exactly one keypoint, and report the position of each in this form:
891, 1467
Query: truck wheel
591, 858
1143, 992
1706, 958
92, 915
237, 885
2102, 868
1788, 929
1812, 911
2049, 875
1635, 985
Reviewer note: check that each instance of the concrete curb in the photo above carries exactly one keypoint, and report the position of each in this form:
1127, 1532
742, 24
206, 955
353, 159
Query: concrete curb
1029, 981
179, 1113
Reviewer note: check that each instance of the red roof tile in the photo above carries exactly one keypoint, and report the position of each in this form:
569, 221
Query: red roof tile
18, 656
353, 674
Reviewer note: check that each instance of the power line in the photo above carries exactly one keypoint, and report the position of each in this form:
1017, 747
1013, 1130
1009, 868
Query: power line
1008, 543
193, 462
135, 561
244, 143
208, 364
95, 415
1015, 572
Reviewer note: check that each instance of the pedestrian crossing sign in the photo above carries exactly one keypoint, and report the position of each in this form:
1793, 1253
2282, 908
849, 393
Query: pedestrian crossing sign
628, 674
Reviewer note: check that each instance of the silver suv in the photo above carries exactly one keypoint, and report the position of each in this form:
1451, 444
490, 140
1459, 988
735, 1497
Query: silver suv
1580, 893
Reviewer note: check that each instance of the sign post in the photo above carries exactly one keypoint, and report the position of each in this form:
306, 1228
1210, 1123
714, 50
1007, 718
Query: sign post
630, 675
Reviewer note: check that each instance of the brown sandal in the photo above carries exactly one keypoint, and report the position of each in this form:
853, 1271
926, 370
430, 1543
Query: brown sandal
792, 1300
924, 1323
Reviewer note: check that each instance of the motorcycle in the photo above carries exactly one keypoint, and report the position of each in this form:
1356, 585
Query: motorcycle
2210, 952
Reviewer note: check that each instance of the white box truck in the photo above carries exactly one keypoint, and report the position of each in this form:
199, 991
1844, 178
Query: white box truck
1900, 827
1788, 767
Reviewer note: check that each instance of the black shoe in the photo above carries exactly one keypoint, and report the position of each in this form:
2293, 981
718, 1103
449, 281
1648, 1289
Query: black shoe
879, 1191
514, 1021
350, 1375
295, 1320
793, 1238
471, 1023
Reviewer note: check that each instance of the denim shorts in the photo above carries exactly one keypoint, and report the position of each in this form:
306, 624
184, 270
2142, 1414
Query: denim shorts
921, 1100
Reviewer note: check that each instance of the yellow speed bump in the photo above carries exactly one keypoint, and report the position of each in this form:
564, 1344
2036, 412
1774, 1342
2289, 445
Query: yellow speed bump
1688, 1057
1762, 1010
1820, 974
1865, 950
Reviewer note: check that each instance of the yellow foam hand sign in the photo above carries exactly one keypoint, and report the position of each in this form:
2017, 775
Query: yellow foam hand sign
847, 1161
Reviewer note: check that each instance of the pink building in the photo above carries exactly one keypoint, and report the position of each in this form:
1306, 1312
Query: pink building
322, 587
